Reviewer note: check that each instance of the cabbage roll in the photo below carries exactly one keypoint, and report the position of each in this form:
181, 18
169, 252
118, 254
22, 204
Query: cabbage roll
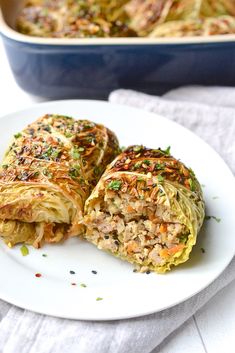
46, 176
147, 209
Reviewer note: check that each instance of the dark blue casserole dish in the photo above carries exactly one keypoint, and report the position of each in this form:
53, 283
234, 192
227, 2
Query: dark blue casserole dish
91, 68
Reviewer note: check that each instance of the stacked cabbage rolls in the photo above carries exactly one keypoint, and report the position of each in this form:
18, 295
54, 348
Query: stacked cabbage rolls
147, 209
179, 18
126, 18
46, 176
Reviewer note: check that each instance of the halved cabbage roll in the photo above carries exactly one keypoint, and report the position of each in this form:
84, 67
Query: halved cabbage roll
147, 209
46, 176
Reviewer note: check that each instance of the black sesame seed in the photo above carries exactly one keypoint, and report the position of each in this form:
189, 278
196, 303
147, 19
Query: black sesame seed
147, 272
72, 272
135, 270
94, 272
116, 242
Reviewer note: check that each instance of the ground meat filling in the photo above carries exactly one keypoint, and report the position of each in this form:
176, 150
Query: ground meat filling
146, 234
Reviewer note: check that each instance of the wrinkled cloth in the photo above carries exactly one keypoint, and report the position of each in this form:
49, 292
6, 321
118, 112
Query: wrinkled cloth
208, 112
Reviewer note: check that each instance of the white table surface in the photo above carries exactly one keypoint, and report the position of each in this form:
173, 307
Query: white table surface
212, 329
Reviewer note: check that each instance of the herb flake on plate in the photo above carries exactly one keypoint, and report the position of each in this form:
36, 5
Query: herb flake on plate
24, 250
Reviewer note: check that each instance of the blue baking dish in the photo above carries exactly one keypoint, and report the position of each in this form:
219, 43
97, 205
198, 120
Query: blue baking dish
92, 68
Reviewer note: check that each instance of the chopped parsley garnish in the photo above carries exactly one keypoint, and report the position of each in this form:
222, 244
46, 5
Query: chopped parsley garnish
140, 179
68, 134
88, 126
97, 171
207, 218
98, 299
83, 285
115, 185
55, 154
192, 172
137, 165
159, 166
160, 178
192, 184
147, 162
24, 250
137, 148
47, 173
183, 238
203, 250
75, 154
50, 153
74, 172
19, 134
44, 255
5, 166
167, 150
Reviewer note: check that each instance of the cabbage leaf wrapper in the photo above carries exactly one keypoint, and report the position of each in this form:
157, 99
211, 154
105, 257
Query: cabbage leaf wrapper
147, 209
47, 174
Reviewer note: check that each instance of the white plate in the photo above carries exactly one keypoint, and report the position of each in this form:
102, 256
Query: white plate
125, 294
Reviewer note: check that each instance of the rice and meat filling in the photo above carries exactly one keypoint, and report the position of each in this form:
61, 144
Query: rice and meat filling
146, 233
149, 218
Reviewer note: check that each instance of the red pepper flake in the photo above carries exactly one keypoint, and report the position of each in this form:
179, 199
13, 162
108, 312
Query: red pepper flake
38, 275
73, 284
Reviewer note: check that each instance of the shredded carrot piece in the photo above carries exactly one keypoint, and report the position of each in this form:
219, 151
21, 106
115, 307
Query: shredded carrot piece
172, 251
163, 228
130, 209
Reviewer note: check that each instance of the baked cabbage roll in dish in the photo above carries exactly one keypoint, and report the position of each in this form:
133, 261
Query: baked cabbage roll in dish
199, 27
46, 176
147, 209
74, 19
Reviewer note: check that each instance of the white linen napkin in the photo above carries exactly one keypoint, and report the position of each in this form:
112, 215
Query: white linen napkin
206, 111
